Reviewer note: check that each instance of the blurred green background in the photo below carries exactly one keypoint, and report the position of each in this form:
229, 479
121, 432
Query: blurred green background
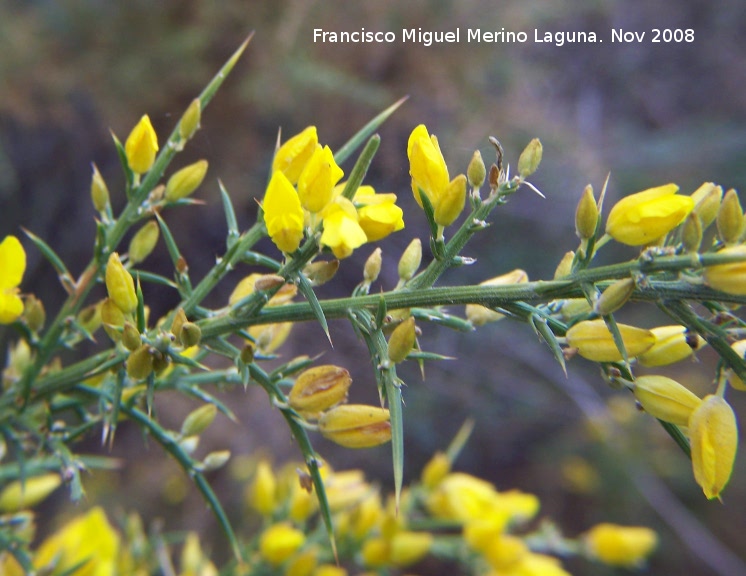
70, 71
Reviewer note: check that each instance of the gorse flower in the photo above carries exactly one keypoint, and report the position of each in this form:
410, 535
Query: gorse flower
12, 267
729, 277
645, 217
317, 181
120, 285
430, 176
141, 146
283, 214
594, 340
378, 214
342, 231
616, 545
714, 438
293, 155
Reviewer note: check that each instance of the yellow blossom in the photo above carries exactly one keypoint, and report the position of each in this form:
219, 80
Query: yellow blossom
319, 388
730, 277
329, 570
644, 217
283, 214
539, 565
19, 495
465, 498
505, 551
356, 425
342, 232
666, 399
672, 344
616, 545
714, 438
316, 182
435, 470
262, 491
378, 214
12, 267
141, 146
279, 542
293, 155
87, 542
480, 315
406, 547
595, 342
429, 173
120, 285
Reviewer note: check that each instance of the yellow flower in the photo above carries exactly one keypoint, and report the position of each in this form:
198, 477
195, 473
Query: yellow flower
378, 214
283, 214
120, 285
594, 341
734, 380
279, 542
616, 545
19, 495
480, 315
714, 437
730, 277
141, 146
318, 389
430, 175
646, 216
466, 498
672, 344
88, 542
666, 399
356, 425
262, 491
539, 565
317, 181
293, 155
342, 232
12, 267
406, 548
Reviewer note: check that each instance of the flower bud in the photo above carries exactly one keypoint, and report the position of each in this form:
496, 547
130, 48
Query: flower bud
402, 340
575, 307
595, 342
615, 545
112, 318
20, 495
321, 272
707, 199
141, 146
318, 389
730, 218
731, 277
480, 315
140, 363
303, 564
89, 318
198, 420
262, 491
215, 460
666, 399
564, 268
99, 191
713, 433
733, 379
356, 425
646, 216
615, 296
476, 171
586, 215
372, 267
452, 202
34, 313
279, 542
131, 337
672, 344
530, 158
410, 260
143, 242
189, 122
407, 547
435, 470
191, 334
691, 233
182, 183
120, 285
179, 320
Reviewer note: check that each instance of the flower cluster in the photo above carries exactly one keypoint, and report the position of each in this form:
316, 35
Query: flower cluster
303, 191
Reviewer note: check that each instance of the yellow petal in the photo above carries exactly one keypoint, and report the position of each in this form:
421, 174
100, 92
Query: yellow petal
12, 262
141, 146
283, 214
292, 156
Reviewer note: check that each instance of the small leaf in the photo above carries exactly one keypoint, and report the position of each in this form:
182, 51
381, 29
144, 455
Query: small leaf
305, 287
545, 332
361, 167
51, 256
129, 175
230, 216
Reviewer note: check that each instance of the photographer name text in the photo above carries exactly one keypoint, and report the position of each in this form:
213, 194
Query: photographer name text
502, 36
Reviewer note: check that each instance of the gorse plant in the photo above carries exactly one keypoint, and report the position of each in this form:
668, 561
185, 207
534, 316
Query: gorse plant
315, 519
